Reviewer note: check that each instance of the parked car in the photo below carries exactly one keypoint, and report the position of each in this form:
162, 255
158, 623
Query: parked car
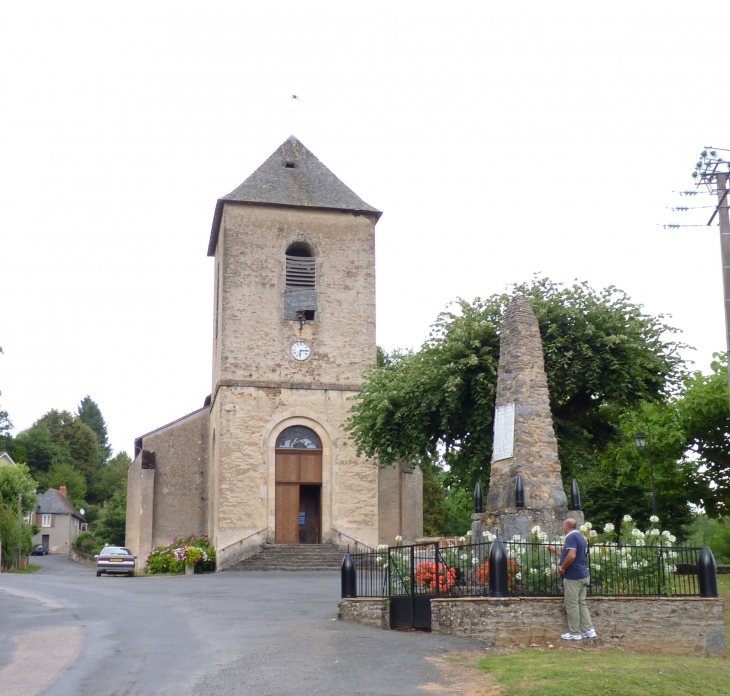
115, 560
39, 550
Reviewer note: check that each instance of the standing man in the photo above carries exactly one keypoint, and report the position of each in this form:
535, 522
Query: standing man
575, 582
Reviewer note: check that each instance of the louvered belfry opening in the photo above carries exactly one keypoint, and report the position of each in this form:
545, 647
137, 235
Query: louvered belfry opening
299, 272
300, 298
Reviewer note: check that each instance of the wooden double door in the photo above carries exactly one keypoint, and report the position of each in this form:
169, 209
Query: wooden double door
298, 496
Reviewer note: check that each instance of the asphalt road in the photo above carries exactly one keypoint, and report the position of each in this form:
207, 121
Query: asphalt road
64, 631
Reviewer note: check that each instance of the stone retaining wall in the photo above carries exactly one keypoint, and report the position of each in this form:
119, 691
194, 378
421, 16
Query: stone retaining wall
365, 610
80, 557
676, 626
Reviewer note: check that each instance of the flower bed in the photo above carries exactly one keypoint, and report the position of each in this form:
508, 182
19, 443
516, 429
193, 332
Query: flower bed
193, 550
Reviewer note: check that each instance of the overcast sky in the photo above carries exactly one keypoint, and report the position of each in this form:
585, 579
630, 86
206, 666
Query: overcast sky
500, 140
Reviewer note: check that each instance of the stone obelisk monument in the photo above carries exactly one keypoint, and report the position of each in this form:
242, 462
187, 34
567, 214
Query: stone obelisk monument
524, 439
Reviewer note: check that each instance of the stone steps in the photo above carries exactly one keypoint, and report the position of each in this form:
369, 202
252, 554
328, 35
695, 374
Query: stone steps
293, 558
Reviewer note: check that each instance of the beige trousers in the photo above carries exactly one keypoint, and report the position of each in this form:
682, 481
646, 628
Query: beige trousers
574, 594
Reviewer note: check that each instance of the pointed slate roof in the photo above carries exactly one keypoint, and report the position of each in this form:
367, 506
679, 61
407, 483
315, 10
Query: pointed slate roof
54, 502
292, 176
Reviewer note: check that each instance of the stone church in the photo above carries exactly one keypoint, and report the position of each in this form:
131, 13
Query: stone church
266, 460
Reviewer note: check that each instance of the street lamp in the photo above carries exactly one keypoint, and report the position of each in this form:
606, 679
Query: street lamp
641, 441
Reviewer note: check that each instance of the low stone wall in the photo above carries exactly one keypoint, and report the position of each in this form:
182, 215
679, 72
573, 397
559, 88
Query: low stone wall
80, 557
676, 626
365, 610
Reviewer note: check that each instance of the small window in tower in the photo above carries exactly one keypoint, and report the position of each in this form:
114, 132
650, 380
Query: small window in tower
289, 165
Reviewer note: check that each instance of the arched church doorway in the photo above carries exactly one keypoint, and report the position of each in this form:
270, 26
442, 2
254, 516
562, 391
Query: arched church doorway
298, 486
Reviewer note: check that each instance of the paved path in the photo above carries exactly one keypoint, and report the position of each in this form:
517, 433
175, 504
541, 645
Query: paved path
64, 631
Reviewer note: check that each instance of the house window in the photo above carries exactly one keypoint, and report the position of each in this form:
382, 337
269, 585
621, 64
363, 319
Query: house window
300, 294
46, 521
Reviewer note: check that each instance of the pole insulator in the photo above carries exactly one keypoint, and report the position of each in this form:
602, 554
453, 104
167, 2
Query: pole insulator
574, 495
478, 498
707, 572
519, 492
348, 578
498, 586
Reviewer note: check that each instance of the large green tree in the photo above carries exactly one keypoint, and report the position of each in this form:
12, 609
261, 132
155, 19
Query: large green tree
603, 354
689, 442
90, 414
61, 437
16, 486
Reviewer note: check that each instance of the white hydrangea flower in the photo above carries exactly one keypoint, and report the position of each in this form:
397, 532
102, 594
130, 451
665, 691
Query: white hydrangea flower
624, 564
588, 526
627, 518
518, 576
468, 533
596, 567
516, 537
654, 532
654, 519
542, 536
399, 538
583, 528
464, 556
535, 529
672, 538
608, 527
489, 536
592, 533
462, 540
666, 533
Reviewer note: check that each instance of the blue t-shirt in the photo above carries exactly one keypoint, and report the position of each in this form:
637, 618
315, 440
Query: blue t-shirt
577, 570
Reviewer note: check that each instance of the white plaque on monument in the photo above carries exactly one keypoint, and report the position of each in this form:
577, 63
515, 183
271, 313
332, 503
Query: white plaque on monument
504, 432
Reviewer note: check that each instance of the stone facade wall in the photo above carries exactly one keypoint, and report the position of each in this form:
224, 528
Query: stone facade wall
677, 626
60, 536
253, 336
400, 503
371, 612
171, 499
247, 421
81, 557
259, 389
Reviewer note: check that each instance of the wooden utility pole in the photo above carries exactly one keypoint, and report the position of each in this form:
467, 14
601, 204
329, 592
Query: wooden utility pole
722, 209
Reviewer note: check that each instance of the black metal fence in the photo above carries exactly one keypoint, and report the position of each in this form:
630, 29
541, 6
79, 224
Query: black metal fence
428, 570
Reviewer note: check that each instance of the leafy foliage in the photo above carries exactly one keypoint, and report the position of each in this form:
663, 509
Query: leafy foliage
64, 474
689, 443
112, 523
90, 414
172, 558
86, 542
602, 354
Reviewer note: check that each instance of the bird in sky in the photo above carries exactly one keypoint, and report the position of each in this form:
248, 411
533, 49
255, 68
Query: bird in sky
294, 96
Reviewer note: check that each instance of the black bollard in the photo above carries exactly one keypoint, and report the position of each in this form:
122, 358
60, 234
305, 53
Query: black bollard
348, 577
707, 573
574, 495
519, 492
498, 570
478, 498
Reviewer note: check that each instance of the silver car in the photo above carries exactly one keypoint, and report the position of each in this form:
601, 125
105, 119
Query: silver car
115, 559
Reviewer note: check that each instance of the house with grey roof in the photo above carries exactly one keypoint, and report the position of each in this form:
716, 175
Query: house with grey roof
6, 459
60, 522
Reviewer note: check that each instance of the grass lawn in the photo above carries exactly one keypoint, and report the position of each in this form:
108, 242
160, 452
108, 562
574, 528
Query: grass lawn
29, 569
610, 672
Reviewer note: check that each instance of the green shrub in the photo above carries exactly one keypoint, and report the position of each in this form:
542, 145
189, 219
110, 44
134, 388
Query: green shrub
193, 550
87, 543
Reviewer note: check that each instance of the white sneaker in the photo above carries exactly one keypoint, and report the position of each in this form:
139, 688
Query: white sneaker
590, 633
572, 636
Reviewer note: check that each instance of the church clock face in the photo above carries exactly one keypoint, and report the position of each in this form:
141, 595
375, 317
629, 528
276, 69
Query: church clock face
300, 350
